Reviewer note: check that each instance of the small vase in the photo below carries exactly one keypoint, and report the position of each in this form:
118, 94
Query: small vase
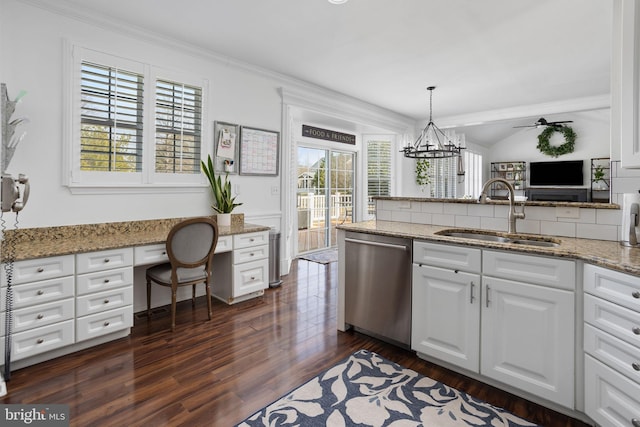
224, 219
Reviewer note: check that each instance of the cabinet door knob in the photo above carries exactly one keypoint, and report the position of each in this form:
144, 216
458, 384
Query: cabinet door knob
106, 280
636, 330
636, 366
39, 341
106, 323
106, 301
106, 260
40, 292
39, 316
636, 294
40, 270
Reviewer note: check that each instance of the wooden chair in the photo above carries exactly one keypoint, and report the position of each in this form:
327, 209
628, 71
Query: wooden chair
190, 247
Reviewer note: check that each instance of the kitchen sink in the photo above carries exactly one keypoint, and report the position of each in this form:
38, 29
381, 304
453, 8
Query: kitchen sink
492, 236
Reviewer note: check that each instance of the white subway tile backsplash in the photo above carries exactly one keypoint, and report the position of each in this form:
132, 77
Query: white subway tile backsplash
554, 228
455, 208
421, 218
609, 216
436, 207
442, 219
528, 226
497, 224
383, 215
480, 210
539, 213
467, 221
598, 232
585, 215
401, 216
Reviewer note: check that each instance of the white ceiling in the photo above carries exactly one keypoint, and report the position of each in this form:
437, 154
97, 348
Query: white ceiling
483, 55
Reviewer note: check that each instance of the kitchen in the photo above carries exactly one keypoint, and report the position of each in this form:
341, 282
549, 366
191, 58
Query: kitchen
238, 95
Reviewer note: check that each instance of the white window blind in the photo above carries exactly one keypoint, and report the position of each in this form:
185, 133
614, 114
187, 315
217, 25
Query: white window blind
379, 164
178, 123
443, 178
111, 119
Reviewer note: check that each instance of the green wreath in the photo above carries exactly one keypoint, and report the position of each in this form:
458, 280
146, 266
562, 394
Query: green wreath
548, 149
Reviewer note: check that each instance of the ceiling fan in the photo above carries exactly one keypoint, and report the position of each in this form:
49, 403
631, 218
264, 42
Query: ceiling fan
543, 122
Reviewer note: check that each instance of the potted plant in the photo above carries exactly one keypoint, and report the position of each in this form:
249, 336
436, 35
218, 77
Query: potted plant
598, 178
225, 202
422, 173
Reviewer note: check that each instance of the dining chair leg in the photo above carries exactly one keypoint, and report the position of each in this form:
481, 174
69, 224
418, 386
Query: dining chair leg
208, 289
173, 309
148, 297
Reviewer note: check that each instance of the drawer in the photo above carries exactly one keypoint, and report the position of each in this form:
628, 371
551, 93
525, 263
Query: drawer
150, 254
43, 314
103, 260
40, 340
615, 353
28, 294
102, 301
104, 323
611, 399
250, 277
225, 244
545, 271
612, 318
250, 254
621, 288
104, 280
33, 270
250, 239
447, 256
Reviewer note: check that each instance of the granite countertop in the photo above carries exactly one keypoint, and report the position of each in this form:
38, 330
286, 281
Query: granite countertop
64, 240
599, 252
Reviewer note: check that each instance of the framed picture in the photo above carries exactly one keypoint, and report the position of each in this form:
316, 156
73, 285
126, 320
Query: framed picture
509, 176
502, 167
509, 166
226, 147
259, 151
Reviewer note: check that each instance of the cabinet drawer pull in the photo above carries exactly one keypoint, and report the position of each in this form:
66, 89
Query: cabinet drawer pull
40, 269
487, 302
251, 254
40, 292
39, 316
636, 295
635, 422
473, 285
251, 239
636, 330
636, 366
106, 260
106, 280
106, 301
106, 323
39, 341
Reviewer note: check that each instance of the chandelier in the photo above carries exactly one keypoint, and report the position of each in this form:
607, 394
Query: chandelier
433, 143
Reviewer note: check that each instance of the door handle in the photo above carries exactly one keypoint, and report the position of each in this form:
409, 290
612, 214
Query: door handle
473, 285
487, 298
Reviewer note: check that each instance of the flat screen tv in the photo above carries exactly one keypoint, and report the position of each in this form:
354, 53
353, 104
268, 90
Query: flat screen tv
562, 173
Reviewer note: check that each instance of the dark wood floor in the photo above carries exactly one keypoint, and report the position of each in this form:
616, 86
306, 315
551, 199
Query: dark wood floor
216, 373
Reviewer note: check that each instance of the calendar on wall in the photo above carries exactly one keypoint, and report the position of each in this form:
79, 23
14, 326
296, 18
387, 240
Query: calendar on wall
259, 151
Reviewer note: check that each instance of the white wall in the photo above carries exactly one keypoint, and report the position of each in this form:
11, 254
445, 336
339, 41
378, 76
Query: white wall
31, 42
593, 135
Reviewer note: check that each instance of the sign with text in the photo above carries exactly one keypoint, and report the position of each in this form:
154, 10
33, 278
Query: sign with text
329, 135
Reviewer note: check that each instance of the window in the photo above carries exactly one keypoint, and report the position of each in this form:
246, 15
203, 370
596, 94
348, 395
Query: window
178, 124
111, 119
378, 171
134, 126
443, 178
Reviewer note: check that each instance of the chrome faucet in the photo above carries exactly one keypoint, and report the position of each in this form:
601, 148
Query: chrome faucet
513, 215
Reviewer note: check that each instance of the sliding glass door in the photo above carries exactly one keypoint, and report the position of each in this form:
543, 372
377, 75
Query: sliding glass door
324, 196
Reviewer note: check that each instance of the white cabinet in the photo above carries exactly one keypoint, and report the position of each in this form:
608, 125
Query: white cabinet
445, 303
246, 273
626, 86
43, 305
104, 287
612, 346
506, 316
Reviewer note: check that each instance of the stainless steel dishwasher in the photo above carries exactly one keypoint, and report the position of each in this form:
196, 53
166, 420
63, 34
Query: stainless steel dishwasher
378, 286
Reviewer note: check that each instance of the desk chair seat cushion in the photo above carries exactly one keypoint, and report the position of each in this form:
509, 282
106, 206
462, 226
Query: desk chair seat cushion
161, 274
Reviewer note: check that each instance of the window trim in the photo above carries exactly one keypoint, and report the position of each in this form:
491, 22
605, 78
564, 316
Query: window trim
146, 181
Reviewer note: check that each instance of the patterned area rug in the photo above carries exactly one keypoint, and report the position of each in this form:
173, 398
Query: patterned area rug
323, 257
368, 390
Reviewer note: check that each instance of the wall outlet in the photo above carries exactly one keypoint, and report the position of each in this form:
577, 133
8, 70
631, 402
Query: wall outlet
275, 190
